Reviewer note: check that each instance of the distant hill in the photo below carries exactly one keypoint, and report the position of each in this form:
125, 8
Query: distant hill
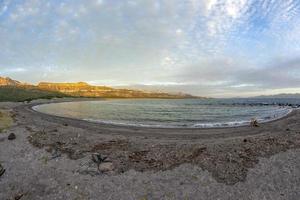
284, 95
12, 90
8, 82
85, 90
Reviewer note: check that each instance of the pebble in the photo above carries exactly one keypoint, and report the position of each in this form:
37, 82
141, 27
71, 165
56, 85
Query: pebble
106, 166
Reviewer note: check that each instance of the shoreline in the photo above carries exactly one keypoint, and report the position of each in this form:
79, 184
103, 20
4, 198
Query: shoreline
51, 159
134, 126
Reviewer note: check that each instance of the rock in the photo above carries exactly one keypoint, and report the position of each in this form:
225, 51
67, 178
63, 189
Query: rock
106, 167
8, 82
254, 123
11, 136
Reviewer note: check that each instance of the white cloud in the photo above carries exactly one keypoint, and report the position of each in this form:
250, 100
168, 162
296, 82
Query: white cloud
220, 44
99, 2
29, 8
12, 70
209, 4
179, 32
235, 8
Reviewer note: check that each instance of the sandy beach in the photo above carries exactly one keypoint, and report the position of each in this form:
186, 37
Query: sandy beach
51, 158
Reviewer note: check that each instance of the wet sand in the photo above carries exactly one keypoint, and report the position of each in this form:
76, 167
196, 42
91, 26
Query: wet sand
51, 159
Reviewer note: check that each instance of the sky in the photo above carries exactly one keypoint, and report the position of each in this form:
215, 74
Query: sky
216, 48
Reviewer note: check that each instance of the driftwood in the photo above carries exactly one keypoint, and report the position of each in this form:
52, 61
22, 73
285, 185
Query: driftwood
2, 170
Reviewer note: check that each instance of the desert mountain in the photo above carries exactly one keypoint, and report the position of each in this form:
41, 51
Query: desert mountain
8, 82
82, 89
85, 90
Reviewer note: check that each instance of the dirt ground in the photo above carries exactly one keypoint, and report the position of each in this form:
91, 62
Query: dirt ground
60, 158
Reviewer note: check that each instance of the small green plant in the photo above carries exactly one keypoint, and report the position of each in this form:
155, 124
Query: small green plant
5, 120
21, 94
44, 159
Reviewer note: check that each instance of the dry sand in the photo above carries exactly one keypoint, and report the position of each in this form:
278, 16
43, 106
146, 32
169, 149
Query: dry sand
51, 159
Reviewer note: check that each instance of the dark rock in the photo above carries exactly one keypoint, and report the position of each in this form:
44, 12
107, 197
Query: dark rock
254, 123
11, 136
245, 140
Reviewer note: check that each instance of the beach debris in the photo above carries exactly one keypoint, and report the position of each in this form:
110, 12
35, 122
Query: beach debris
43, 131
54, 130
97, 158
19, 196
2, 170
55, 154
106, 166
11, 136
254, 122
102, 164
28, 128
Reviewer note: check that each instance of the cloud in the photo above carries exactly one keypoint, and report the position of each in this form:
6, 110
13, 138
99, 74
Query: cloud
13, 70
207, 46
240, 78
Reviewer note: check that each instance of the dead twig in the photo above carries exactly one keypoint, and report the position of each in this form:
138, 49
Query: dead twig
2, 170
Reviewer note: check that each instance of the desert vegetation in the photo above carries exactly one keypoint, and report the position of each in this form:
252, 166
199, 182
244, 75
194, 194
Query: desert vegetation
5, 120
19, 94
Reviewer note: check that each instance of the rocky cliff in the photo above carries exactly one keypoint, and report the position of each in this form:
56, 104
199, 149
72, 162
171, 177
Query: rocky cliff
85, 90
8, 82
82, 89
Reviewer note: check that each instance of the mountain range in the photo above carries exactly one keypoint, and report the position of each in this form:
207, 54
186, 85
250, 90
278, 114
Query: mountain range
9, 82
82, 89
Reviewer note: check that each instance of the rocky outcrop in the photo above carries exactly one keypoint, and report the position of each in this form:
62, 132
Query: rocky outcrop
82, 89
85, 90
8, 82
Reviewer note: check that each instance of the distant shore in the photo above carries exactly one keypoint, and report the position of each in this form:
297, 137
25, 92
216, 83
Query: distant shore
49, 148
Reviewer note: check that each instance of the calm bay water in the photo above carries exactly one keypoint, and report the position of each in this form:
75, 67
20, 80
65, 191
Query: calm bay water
190, 113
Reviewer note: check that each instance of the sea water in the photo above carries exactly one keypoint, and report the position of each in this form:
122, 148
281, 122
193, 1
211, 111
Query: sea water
171, 113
